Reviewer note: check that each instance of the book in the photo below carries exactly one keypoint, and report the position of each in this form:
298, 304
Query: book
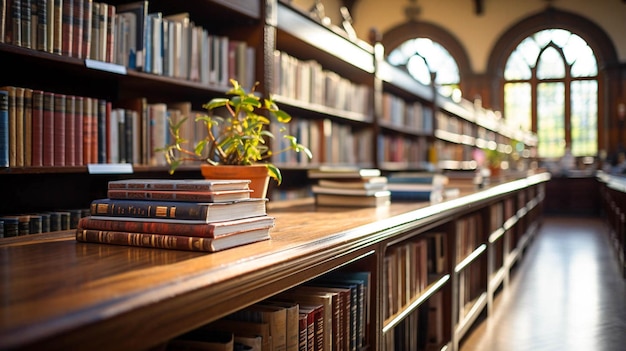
292, 310
343, 172
208, 230
48, 129
11, 125
379, 183
175, 211
172, 242
319, 189
180, 184
37, 129
378, 199
59, 129
275, 316
203, 340
140, 11
4, 128
307, 297
314, 324
180, 195
242, 328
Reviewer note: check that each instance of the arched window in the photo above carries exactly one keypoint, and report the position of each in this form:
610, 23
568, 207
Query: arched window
426, 60
551, 87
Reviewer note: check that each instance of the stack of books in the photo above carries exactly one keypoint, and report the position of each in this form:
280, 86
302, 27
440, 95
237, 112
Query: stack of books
354, 187
420, 186
184, 214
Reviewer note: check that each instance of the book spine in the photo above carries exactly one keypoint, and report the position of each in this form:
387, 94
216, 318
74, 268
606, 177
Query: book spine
183, 229
102, 127
87, 26
4, 128
57, 25
59, 130
79, 130
77, 28
87, 130
67, 27
70, 131
28, 127
157, 196
37, 126
15, 37
48, 129
42, 25
93, 131
110, 34
26, 24
19, 127
161, 241
12, 127
148, 209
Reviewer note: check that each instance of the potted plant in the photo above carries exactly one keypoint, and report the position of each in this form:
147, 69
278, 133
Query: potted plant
237, 134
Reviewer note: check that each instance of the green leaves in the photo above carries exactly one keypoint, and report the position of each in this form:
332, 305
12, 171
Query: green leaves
237, 132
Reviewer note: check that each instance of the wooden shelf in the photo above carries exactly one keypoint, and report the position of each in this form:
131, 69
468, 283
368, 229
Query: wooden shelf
106, 288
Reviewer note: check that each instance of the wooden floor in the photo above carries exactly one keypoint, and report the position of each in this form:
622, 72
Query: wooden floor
566, 294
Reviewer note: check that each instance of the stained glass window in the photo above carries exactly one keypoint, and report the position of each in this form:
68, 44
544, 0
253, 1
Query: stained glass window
423, 58
552, 75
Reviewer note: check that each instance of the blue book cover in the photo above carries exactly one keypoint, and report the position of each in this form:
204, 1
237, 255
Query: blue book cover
4, 128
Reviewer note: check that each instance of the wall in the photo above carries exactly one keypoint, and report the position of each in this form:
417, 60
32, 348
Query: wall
478, 33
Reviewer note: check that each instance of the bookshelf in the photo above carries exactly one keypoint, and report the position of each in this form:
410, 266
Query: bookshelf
128, 298
613, 196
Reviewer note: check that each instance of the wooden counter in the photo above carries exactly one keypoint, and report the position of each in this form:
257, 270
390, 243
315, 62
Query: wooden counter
60, 294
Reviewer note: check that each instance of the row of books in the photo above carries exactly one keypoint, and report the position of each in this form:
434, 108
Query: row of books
409, 151
411, 115
42, 128
422, 329
350, 187
330, 142
40, 222
308, 82
189, 214
128, 35
328, 313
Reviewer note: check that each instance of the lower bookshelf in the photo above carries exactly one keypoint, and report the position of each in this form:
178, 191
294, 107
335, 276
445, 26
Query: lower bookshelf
60, 294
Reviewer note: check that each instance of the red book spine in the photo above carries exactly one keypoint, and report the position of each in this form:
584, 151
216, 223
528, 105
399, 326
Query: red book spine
67, 26
37, 125
77, 28
59, 130
70, 131
110, 37
48, 129
87, 130
93, 129
107, 131
184, 229
78, 130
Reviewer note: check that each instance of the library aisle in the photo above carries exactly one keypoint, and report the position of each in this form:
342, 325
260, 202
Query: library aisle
566, 294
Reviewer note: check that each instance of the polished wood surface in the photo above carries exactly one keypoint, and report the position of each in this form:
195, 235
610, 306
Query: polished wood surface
65, 294
567, 294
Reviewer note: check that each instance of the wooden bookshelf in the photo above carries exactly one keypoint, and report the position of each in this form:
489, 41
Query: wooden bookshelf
613, 197
124, 298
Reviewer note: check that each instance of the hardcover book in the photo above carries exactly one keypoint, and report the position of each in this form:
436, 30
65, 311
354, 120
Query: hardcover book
343, 172
180, 184
176, 211
208, 230
186, 196
173, 242
379, 199
4, 128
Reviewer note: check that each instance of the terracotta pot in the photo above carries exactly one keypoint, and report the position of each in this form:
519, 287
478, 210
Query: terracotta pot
257, 174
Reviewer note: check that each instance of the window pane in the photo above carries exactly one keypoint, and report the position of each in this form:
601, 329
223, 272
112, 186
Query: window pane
418, 69
516, 67
517, 105
584, 118
585, 64
551, 119
422, 56
550, 64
